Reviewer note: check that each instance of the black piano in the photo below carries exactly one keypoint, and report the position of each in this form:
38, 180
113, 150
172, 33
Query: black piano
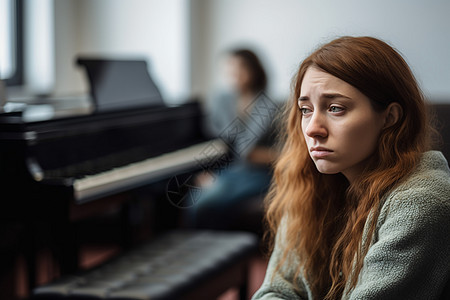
57, 165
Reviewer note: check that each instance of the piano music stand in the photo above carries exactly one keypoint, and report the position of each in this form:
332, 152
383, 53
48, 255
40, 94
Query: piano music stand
120, 84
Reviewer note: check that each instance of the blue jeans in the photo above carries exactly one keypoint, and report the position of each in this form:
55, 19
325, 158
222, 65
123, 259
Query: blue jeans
217, 206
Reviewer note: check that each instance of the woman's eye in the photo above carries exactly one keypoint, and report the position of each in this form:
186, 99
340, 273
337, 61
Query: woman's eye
304, 110
335, 109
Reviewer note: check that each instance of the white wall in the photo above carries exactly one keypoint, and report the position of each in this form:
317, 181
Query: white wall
68, 80
39, 49
154, 30
284, 32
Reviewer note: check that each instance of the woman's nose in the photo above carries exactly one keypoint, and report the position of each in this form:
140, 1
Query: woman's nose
316, 126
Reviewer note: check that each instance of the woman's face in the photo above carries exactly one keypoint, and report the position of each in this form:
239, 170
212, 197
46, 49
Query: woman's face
340, 126
238, 74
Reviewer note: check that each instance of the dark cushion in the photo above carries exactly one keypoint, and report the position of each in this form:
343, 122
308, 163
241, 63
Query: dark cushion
167, 268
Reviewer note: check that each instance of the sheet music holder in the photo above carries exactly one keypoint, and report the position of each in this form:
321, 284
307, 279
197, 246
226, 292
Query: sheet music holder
118, 84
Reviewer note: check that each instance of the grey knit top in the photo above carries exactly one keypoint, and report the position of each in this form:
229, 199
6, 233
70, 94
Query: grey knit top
409, 254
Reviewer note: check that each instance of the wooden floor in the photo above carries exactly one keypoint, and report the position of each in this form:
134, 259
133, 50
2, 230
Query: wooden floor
92, 255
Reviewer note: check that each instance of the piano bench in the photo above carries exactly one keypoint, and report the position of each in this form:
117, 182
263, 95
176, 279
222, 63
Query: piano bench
178, 265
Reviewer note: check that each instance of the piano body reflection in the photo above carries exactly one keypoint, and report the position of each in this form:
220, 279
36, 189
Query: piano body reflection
53, 168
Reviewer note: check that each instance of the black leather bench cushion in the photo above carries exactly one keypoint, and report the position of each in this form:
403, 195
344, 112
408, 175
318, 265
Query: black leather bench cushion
163, 269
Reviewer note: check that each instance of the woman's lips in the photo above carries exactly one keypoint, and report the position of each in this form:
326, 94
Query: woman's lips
320, 152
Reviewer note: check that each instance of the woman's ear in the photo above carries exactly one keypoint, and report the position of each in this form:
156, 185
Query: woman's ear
393, 113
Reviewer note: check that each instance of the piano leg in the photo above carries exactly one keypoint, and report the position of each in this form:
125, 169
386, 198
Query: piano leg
66, 246
7, 283
30, 252
58, 236
10, 233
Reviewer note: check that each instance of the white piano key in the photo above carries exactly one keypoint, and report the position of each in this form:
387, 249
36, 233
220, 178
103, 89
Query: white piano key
155, 167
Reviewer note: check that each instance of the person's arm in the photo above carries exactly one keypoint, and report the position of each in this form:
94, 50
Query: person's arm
410, 258
262, 155
266, 150
279, 284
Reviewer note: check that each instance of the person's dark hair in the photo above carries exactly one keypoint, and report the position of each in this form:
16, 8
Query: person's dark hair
253, 64
326, 214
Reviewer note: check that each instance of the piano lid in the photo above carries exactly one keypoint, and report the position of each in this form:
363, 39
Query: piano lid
25, 110
120, 84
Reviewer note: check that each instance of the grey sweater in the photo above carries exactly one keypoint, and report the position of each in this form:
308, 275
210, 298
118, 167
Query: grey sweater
409, 254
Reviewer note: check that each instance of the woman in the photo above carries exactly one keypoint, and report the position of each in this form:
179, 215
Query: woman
359, 205
232, 117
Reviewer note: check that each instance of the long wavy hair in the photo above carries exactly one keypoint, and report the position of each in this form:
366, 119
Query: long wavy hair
324, 215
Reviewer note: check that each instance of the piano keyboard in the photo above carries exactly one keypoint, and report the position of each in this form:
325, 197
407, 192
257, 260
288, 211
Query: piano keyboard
148, 170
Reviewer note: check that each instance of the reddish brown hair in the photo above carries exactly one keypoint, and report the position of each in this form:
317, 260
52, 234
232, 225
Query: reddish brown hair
325, 215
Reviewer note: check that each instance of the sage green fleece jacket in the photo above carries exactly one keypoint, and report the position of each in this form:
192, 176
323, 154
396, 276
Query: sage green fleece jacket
409, 254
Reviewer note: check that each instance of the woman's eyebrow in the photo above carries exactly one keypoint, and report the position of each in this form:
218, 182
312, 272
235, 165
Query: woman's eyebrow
324, 95
303, 98
334, 95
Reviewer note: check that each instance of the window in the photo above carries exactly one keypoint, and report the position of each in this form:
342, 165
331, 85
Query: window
11, 57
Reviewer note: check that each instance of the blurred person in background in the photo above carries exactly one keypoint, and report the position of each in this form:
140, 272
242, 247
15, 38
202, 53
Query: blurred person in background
243, 117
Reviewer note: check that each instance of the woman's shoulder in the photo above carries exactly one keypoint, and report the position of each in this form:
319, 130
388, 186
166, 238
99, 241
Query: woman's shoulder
410, 246
431, 176
425, 193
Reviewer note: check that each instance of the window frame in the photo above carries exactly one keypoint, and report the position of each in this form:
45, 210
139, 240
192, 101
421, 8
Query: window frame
17, 77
